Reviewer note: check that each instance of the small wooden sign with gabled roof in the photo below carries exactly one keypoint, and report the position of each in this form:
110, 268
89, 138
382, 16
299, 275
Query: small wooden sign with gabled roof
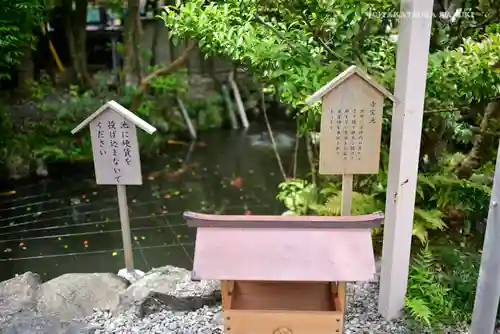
351, 123
114, 144
283, 274
115, 150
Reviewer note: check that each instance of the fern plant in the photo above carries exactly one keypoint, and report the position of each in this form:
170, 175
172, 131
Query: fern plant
426, 296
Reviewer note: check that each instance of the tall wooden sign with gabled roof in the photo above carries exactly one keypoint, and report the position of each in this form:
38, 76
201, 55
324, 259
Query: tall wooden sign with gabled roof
351, 127
117, 162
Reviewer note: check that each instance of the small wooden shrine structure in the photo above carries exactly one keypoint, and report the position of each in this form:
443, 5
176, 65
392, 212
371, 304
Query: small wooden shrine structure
283, 274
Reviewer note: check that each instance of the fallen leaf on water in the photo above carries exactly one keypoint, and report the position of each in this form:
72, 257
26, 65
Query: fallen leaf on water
176, 142
8, 193
114, 254
107, 219
59, 238
65, 246
175, 193
179, 236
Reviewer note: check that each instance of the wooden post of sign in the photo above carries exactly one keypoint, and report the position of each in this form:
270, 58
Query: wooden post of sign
346, 194
125, 224
116, 158
488, 285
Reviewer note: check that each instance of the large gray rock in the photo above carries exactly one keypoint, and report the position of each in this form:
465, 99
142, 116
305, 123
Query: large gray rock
75, 296
19, 294
168, 287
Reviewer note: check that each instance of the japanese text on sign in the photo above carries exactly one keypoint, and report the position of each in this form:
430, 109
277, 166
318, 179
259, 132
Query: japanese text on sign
116, 153
350, 136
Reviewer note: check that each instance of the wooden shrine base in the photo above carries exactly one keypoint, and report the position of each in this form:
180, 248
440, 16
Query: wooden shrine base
283, 307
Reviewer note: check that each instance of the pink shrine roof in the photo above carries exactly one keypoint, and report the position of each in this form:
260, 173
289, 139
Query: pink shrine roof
284, 248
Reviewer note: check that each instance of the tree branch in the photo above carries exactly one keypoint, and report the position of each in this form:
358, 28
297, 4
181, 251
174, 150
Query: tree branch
175, 65
473, 158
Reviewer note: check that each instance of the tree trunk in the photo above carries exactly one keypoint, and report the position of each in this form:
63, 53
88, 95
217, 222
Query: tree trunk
482, 143
132, 39
76, 30
158, 25
25, 72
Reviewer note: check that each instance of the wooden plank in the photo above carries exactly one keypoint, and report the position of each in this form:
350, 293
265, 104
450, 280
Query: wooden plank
291, 296
284, 255
488, 284
283, 322
411, 75
281, 222
227, 293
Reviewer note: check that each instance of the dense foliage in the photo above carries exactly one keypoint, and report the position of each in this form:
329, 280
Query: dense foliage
295, 47
18, 19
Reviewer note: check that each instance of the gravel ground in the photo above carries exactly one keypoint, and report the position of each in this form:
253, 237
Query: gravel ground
361, 318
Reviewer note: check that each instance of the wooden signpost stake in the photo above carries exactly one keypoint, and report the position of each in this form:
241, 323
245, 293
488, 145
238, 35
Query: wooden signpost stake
116, 157
351, 127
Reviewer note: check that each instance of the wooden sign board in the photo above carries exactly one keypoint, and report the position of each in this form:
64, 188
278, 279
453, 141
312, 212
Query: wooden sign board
351, 123
114, 144
351, 126
115, 149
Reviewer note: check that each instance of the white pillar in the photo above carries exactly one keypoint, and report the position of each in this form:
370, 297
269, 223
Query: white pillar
488, 284
411, 73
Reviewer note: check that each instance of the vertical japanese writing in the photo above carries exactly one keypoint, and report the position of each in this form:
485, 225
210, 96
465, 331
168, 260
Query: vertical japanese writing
126, 142
113, 145
372, 113
337, 130
360, 135
352, 132
332, 119
100, 138
346, 133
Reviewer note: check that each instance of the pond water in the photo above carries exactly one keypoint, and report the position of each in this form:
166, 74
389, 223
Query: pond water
66, 223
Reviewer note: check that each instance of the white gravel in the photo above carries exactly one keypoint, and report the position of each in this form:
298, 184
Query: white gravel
361, 318
202, 321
